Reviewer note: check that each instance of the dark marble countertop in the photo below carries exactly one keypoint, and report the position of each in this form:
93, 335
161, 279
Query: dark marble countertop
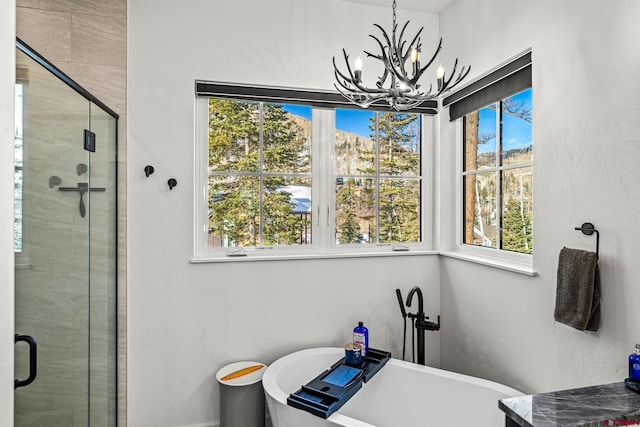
601, 405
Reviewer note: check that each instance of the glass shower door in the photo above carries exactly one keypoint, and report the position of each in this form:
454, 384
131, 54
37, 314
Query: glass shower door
65, 252
102, 270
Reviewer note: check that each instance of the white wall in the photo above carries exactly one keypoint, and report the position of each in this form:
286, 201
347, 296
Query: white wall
187, 320
7, 133
586, 86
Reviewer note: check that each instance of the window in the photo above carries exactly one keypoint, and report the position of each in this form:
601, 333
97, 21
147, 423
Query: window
305, 177
378, 180
18, 224
259, 174
495, 198
498, 175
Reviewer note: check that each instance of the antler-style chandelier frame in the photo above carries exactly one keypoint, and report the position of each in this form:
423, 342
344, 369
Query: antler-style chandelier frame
399, 88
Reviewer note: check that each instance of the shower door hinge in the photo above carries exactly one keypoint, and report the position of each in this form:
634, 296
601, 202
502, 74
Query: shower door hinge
89, 141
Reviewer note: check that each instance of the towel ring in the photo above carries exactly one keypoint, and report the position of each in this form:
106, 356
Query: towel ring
588, 229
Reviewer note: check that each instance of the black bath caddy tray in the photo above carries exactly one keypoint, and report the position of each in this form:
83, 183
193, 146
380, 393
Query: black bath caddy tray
632, 384
327, 392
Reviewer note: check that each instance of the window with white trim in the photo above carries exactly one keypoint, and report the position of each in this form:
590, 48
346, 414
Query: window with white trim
259, 159
497, 175
285, 176
378, 177
495, 155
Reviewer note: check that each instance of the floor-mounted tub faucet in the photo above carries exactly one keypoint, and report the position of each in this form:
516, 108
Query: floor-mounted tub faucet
420, 322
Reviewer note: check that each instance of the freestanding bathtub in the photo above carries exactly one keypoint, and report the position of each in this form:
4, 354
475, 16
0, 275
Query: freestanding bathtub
401, 394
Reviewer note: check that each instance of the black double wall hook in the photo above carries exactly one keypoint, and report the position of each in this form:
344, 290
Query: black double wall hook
172, 182
588, 229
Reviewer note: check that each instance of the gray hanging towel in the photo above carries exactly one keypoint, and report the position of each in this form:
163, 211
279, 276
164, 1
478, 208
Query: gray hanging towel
578, 290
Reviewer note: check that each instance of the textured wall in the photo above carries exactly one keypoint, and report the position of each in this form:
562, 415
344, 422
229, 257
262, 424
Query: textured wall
188, 320
87, 41
586, 83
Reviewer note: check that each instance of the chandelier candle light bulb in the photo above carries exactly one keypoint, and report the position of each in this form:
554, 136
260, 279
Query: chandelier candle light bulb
396, 87
440, 76
358, 69
415, 59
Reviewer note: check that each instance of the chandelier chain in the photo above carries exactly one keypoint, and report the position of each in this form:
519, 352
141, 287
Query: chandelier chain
394, 16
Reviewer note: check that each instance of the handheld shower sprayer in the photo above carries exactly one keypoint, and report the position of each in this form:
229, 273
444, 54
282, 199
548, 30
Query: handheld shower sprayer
401, 302
404, 317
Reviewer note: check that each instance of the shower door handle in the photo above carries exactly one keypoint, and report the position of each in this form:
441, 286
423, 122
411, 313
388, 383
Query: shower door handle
33, 360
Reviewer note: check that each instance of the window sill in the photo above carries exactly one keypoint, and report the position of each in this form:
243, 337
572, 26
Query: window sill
494, 262
514, 266
292, 257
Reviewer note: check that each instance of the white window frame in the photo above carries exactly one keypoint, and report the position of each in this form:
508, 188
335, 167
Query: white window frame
455, 248
495, 257
323, 205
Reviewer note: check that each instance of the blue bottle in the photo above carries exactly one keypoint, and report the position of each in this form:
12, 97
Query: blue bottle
634, 364
361, 336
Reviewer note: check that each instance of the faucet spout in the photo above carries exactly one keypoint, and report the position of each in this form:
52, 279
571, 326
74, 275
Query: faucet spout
420, 323
420, 300
419, 319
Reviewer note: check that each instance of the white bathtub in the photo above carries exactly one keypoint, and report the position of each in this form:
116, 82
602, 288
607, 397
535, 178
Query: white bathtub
401, 394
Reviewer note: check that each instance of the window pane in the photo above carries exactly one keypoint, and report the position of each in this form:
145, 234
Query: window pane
287, 138
480, 139
517, 210
399, 140
18, 185
260, 175
355, 142
399, 210
234, 211
480, 222
516, 129
234, 135
355, 210
287, 211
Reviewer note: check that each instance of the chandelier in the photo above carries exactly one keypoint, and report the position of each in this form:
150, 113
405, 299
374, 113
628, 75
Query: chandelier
397, 86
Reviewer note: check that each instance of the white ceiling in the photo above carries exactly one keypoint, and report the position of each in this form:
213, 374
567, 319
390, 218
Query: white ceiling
428, 6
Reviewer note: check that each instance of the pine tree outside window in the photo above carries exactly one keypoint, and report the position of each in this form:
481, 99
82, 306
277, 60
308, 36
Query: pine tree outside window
378, 178
259, 164
287, 180
497, 175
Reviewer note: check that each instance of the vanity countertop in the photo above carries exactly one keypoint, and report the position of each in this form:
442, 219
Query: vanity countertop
595, 406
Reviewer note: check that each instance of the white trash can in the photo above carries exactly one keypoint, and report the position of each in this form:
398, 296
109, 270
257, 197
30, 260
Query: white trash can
241, 394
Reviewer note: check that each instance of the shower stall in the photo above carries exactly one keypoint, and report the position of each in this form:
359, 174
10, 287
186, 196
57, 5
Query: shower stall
65, 245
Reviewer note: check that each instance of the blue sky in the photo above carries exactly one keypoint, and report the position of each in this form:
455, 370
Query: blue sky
350, 120
516, 133
298, 110
355, 121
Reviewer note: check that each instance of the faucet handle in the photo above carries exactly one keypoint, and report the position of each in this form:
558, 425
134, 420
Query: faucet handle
429, 326
432, 326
